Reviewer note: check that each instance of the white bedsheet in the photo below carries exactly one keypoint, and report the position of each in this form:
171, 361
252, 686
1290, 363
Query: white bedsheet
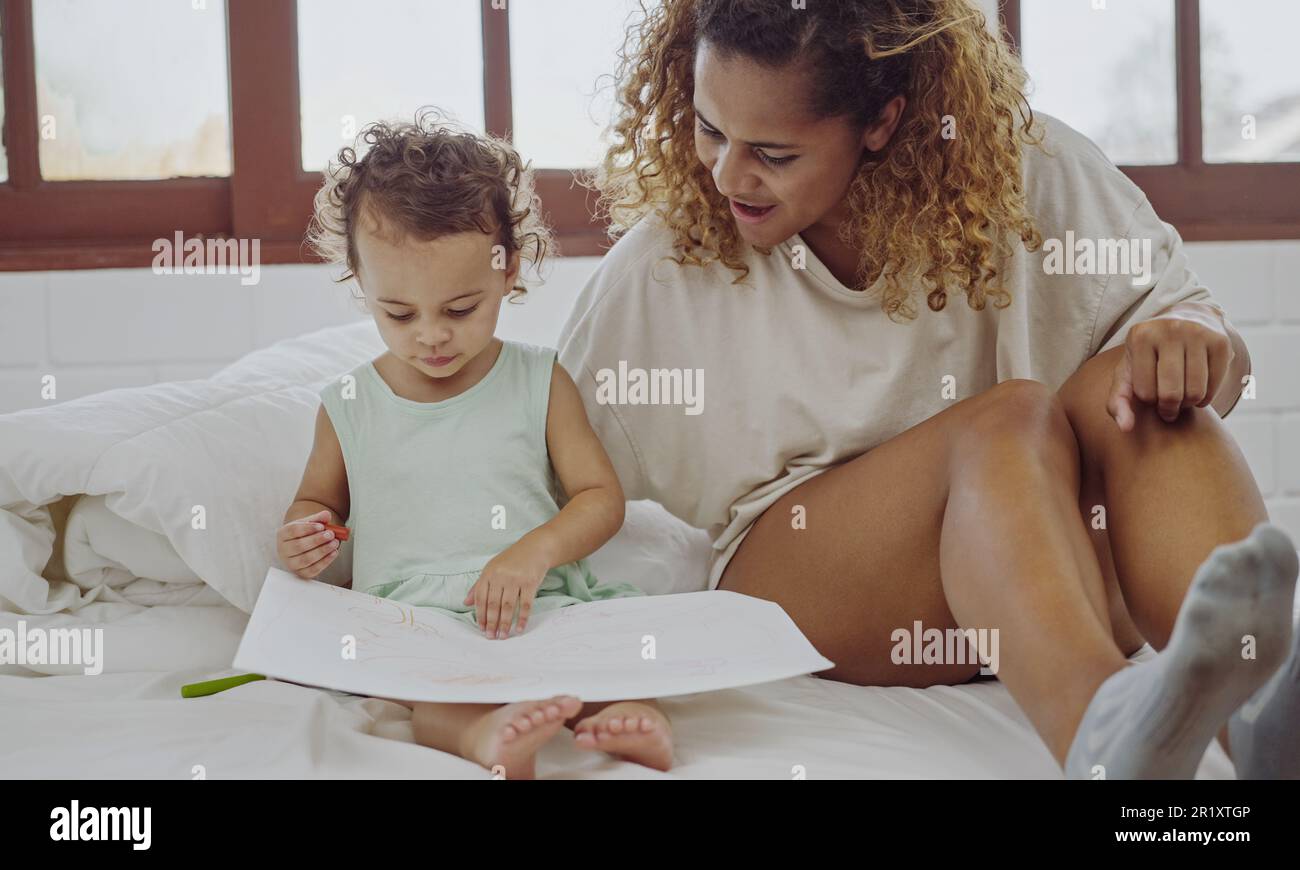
132, 723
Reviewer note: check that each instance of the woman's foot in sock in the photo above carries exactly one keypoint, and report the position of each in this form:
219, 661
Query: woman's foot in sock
1264, 734
1154, 720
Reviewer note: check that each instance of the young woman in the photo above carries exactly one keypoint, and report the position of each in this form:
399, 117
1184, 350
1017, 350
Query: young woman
1053, 466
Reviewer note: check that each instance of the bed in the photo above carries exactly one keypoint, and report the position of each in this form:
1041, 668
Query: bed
149, 513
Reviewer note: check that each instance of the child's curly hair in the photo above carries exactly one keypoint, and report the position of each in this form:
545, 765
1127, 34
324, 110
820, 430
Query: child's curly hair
429, 179
923, 199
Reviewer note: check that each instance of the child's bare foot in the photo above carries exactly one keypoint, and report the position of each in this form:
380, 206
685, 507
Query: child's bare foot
511, 735
631, 730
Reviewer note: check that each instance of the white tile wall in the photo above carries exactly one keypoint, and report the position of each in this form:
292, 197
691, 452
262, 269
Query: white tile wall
1288, 439
98, 330
1286, 275
1259, 284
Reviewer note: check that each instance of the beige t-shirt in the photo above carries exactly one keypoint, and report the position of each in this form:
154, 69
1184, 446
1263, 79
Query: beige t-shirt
800, 373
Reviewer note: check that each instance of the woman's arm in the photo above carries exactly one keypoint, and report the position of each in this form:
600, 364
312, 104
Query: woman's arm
1229, 394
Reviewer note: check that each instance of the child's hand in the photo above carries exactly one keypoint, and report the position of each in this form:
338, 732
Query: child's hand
305, 546
508, 584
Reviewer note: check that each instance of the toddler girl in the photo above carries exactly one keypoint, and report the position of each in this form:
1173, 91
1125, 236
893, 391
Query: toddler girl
446, 456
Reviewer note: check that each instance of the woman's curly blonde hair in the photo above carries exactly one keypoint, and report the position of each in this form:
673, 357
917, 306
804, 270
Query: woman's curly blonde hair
925, 207
426, 180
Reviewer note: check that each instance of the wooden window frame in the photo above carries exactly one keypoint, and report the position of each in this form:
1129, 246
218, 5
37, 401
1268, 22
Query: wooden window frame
268, 195
1249, 201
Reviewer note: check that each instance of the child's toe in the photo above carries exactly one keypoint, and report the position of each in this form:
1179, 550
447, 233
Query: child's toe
566, 706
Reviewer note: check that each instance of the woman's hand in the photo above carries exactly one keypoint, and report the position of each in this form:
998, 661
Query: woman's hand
1175, 360
508, 584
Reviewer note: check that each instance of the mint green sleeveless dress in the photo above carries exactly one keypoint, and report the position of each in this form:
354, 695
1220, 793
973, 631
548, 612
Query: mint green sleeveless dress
438, 489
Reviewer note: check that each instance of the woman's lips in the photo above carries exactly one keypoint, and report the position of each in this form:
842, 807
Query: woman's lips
438, 361
750, 214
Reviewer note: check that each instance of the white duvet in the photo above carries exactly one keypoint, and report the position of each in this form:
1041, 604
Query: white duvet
182, 486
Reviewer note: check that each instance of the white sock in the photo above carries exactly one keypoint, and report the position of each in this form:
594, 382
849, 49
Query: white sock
1265, 732
1154, 720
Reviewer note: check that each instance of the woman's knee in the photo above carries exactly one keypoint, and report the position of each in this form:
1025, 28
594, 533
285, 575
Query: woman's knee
1022, 413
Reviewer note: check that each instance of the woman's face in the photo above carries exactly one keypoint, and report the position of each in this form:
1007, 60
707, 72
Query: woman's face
755, 135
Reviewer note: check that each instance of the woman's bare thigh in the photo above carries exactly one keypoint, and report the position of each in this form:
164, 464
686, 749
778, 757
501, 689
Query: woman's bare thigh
867, 561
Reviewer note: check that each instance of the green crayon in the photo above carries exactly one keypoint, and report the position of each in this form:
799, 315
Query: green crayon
211, 687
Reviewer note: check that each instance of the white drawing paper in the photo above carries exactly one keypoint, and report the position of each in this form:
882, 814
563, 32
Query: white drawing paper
644, 647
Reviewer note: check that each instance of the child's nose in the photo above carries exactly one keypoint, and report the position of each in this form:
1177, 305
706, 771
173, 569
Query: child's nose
436, 337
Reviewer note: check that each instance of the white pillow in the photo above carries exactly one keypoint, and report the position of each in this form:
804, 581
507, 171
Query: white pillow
102, 549
123, 562
655, 551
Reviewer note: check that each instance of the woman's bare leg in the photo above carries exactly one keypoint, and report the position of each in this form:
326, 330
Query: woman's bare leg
1172, 492
972, 514
1031, 573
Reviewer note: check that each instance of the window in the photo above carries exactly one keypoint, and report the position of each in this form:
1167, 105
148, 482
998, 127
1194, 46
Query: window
356, 67
1220, 158
4, 161
1250, 86
563, 101
148, 103
1107, 73
247, 99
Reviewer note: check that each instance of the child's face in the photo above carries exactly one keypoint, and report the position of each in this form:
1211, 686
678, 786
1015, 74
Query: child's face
434, 299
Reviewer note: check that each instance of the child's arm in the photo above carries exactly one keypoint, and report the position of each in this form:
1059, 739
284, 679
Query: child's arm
593, 514
322, 497
595, 509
